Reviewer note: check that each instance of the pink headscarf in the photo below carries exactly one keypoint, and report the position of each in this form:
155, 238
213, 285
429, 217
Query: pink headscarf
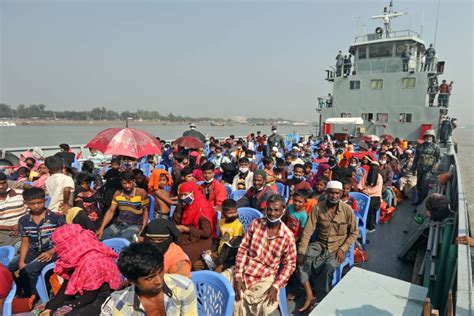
84, 260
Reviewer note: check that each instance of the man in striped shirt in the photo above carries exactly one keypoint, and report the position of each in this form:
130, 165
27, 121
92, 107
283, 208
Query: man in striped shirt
264, 263
11, 209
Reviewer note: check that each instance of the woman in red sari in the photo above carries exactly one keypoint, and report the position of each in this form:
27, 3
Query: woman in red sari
196, 220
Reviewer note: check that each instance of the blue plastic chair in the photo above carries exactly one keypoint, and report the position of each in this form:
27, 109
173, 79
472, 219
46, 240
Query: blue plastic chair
146, 168
116, 244
199, 183
41, 287
283, 303
247, 215
237, 194
7, 304
377, 216
151, 208
6, 254
47, 201
172, 209
349, 260
230, 190
215, 295
78, 165
363, 202
282, 190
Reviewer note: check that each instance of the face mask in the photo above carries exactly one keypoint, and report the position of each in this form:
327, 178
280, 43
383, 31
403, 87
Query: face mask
210, 181
332, 202
231, 219
274, 222
298, 177
188, 199
274, 131
243, 170
164, 245
353, 165
429, 140
382, 162
218, 155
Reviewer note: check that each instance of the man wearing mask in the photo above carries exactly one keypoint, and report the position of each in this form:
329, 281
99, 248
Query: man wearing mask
258, 195
275, 140
265, 261
427, 155
244, 178
212, 189
337, 231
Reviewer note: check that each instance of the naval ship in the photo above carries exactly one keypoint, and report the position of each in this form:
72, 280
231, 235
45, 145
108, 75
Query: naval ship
415, 266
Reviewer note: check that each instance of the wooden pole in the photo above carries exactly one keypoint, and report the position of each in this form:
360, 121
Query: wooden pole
449, 308
427, 307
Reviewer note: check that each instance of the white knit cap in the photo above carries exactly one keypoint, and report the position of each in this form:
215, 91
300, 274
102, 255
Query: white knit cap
334, 185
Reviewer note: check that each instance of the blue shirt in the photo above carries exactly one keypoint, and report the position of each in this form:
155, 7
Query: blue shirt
296, 221
40, 235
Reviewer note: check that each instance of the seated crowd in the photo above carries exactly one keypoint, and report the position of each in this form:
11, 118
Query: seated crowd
183, 216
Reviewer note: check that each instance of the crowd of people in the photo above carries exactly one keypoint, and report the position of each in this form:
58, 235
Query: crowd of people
300, 186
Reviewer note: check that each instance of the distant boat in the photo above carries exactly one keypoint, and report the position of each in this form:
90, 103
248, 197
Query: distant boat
216, 124
7, 123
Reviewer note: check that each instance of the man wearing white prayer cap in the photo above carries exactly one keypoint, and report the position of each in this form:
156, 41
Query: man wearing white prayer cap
337, 231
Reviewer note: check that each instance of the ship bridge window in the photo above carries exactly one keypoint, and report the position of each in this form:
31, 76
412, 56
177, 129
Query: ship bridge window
408, 83
367, 117
362, 52
354, 84
382, 117
380, 50
376, 84
346, 114
405, 117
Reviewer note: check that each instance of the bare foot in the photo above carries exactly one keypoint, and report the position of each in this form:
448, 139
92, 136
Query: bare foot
310, 301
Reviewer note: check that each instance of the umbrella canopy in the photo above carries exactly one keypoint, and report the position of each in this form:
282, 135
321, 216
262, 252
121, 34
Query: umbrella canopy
387, 137
126, 142
189, 142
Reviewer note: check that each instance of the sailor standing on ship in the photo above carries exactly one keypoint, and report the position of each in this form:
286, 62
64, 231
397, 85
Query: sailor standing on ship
426, 160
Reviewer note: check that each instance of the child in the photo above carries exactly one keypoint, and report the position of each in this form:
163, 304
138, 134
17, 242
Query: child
297, 216
36, 249
346, 198
23, 174
319, 192
231, 233
87, 199
162, 197
60, 187
268, 168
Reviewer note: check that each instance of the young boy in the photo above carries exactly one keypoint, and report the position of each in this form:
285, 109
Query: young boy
346, 198
36, 249
163, 201
268, 168
60, 187
297, 216
231, 233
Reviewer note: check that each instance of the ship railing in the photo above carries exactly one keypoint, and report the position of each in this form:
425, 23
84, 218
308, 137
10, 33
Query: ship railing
394, 34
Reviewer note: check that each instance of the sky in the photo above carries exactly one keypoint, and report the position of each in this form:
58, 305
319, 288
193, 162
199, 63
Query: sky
206, 58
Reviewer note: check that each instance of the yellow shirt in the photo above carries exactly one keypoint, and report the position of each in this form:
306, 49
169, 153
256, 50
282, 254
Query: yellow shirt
229, 231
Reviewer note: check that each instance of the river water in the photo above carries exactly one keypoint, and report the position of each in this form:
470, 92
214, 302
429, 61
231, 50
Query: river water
42, 135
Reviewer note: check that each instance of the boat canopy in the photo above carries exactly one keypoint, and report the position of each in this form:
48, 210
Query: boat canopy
345, 120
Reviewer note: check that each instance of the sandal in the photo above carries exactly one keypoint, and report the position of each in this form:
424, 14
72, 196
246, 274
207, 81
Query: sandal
310, 307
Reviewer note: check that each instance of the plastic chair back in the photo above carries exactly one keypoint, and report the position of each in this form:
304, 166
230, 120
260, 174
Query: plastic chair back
230, 190
47, 201
151, 207
6, 254
247, 215
160, 166
215, 294
116, 244
7, 304
282, 190
363, 203
41, 287
283, 303
238, 194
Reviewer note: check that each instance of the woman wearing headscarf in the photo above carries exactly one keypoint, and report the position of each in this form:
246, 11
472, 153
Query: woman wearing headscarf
196, 220
165, 235
323, 172
89, 271
371, 184
43, 174
76, 215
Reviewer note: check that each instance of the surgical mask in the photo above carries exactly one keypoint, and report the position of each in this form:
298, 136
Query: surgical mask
274, 131
188, 199
209, 181
383, 161
218, 155
243, 169
298, 177
276, 221
429, 140
353, 165
333, 202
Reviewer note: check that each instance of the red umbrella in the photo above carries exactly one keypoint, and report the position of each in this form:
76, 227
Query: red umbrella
387, 137
189, 142
129, 142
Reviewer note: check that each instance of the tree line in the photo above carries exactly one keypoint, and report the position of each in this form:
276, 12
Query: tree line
39, 111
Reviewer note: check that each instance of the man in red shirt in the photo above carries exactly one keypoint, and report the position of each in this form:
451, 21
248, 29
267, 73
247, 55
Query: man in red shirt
443, 94
265, 261
212, 189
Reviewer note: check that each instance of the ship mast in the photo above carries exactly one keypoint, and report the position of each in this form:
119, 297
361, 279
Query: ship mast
387, 17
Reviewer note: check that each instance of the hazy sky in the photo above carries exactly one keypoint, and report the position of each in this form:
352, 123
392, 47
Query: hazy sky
210, 58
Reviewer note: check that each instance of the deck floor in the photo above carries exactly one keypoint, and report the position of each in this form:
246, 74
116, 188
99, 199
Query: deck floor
383, 247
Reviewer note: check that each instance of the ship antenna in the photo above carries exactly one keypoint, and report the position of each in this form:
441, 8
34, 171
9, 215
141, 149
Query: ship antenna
436, 28
422, 21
